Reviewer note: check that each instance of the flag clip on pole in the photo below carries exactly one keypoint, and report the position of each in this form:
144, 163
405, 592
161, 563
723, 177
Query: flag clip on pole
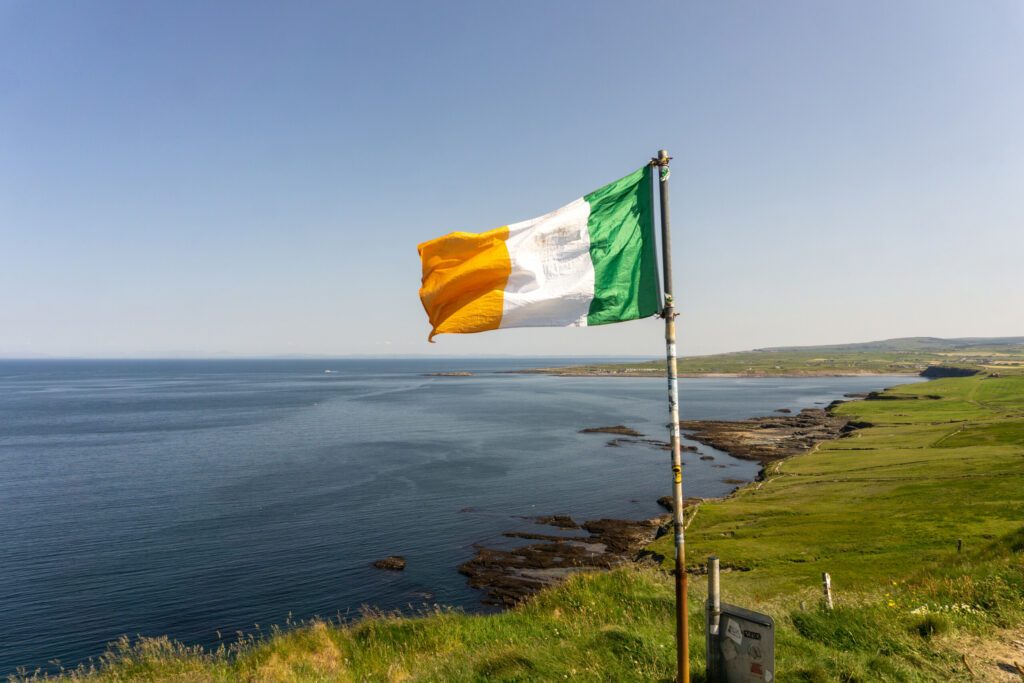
669, 314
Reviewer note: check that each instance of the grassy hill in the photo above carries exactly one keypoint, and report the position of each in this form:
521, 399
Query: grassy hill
881, 511
893, 356
912, 344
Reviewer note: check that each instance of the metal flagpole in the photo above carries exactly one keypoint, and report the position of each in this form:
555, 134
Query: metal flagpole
669, 314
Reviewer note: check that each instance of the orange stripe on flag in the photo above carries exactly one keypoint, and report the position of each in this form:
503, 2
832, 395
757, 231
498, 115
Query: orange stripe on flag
464, 278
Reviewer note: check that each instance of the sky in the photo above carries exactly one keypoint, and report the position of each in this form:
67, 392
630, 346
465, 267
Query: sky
252, 178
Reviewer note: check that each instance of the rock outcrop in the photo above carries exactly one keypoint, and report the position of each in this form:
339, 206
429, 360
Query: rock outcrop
621, 430
560, 521
508, 577
768, 438
395, 563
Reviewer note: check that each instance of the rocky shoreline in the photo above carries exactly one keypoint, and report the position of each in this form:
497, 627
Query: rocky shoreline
509, 576
771, 437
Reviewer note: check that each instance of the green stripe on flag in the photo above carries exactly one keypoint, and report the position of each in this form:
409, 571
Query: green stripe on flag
622, 250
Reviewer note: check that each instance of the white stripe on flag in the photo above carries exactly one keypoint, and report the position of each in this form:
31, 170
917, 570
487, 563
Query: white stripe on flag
552, 278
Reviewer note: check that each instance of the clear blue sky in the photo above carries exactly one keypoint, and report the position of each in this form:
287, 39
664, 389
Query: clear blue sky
195, 178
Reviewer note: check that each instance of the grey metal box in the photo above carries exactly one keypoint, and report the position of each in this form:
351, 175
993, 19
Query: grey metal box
745, 646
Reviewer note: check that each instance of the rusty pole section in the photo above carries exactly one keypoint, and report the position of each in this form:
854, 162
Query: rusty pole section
669, 314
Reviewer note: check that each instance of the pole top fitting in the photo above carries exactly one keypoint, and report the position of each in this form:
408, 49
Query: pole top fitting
662, 159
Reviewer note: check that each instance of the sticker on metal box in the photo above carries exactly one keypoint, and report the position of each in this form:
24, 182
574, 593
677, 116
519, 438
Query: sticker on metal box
733, 632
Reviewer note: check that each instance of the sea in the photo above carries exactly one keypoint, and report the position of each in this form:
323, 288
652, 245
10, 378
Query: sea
201, 499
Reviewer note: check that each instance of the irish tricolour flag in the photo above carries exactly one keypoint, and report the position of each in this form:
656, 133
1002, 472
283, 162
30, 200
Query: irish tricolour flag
591, 262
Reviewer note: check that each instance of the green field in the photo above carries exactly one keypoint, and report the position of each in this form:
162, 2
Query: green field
881, 511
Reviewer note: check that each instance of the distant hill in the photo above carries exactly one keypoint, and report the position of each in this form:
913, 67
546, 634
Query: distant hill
912, 344
928, 356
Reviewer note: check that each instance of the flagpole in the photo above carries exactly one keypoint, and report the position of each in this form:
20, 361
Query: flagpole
669, 314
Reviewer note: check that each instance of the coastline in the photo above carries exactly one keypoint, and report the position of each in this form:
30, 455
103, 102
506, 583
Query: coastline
882, 510
614, 483
507, 577
659, 373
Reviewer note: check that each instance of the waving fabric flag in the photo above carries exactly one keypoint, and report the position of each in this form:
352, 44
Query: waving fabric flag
591, 262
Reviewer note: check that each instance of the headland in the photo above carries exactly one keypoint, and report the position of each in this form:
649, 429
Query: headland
915, 512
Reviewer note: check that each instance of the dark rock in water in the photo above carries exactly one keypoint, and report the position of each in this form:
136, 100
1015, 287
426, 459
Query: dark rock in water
510, 576
855, 395
653, 443
707, 457
531, 536
624, 537
622, 430
394, 563
767, 438
783, 410
560, 521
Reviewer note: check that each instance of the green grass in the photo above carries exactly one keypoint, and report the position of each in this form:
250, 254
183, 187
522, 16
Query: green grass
783, 363
881, 511
874, 358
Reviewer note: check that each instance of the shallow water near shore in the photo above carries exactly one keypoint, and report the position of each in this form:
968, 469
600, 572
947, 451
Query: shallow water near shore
191, 497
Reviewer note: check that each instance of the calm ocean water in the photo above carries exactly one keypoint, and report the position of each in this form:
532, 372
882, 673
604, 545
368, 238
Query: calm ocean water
191, 497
